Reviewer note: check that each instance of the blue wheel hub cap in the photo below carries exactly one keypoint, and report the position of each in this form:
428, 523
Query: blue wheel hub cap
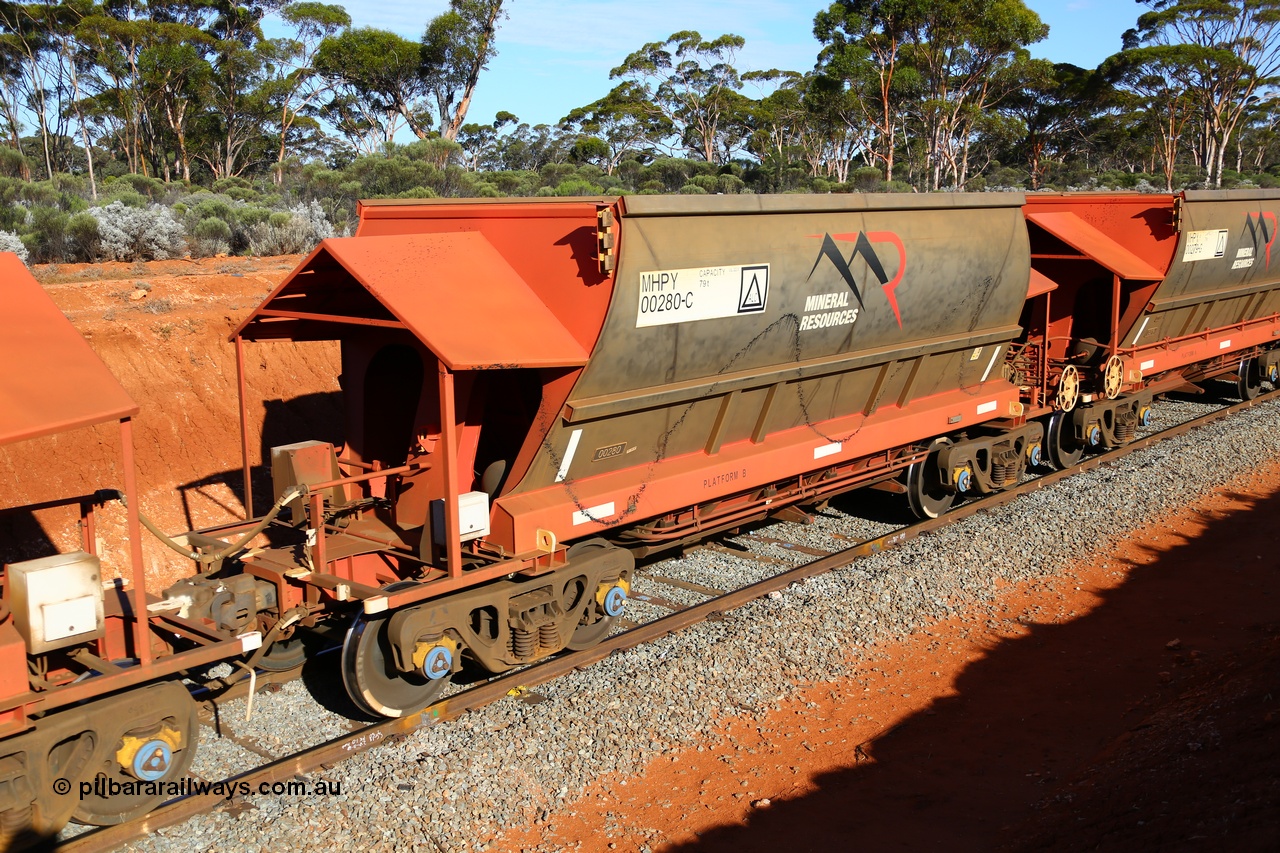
1095, 436
962, 482
153, 760
438, 664
1035, 455
615, 600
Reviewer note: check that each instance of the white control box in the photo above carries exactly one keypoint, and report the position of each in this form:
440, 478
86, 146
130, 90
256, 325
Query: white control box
473, 517
57, 601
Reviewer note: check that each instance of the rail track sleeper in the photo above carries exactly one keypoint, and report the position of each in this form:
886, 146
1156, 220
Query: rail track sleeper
685, 585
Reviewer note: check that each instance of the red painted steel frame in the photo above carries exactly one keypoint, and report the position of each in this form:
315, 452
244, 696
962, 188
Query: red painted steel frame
244, 430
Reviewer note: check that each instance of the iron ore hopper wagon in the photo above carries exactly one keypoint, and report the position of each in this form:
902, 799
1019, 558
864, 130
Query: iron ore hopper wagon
537, 393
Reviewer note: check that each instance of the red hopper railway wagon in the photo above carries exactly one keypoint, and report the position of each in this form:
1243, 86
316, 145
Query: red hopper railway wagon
538, 392
1143, 294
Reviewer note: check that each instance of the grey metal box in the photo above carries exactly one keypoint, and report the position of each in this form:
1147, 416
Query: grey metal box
305, 463
57, 600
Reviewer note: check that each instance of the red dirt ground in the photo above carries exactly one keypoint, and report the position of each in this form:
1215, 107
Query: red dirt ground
1131, 704
169, 348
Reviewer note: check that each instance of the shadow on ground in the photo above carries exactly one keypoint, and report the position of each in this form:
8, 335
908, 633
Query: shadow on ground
1089, 734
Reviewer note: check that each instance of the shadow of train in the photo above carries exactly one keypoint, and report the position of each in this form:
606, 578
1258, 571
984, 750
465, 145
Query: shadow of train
1009, 760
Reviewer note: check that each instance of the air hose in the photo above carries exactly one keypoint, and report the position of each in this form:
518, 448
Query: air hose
222, 554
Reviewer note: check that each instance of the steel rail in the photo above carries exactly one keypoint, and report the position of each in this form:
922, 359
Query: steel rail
514, 683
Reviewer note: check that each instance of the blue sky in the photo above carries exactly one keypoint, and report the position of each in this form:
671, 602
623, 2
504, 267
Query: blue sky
554, 55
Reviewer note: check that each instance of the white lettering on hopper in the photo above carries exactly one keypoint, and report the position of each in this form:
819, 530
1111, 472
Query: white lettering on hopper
987, 407
1147, 365
828, 449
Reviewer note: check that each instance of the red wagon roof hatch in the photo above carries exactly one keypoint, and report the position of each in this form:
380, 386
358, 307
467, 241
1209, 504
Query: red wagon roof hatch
50, 379
1091, 242
453, 291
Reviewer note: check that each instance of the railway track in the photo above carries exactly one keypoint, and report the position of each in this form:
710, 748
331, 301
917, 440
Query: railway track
677, 617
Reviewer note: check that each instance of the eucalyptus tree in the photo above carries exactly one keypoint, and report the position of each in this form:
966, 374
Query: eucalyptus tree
25, 38
456, 47
293, 86
835, 131
375, 85
1222, 52
10, 104
175, 77
1052, 107
1259, 136
1151, 77
692, 84
969, 55
862, 53
114, 37
624, 121
479, 141
237, 108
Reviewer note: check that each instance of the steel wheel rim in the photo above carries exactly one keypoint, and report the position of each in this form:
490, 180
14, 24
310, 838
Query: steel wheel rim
1063, 451
369, 674
926, 494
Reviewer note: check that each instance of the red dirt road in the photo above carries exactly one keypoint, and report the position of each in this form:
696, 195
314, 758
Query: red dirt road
1133, 704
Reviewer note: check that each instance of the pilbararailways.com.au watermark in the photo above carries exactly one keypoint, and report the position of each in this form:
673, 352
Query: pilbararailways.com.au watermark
102, 787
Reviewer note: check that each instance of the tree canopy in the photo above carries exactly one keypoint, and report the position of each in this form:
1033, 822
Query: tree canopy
142, 102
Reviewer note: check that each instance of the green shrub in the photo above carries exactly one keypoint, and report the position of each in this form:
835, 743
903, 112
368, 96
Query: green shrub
867, 179
83, 237
210, 237
577, 186
12, 163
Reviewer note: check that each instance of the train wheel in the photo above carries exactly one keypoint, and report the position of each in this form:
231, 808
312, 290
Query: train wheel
1249, 379
1068, 388
158, 751
927, 495
596, 622
373, 681
1064, 450
284, 655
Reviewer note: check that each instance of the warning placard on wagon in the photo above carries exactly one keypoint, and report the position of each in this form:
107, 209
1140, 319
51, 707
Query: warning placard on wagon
706, 293
1205, 245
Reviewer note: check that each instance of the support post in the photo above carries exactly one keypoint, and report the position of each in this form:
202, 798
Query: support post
449, 442
244, 430
89, 527
320, 553
141, 618
1115, 315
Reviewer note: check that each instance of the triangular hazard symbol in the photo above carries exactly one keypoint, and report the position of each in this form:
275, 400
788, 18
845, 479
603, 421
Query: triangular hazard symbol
752, 298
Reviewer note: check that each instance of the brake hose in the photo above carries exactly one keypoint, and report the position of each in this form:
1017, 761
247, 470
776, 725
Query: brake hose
289, 495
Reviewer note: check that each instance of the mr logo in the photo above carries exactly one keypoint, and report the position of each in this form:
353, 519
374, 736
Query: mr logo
1263, 230
862, 246
753, 295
